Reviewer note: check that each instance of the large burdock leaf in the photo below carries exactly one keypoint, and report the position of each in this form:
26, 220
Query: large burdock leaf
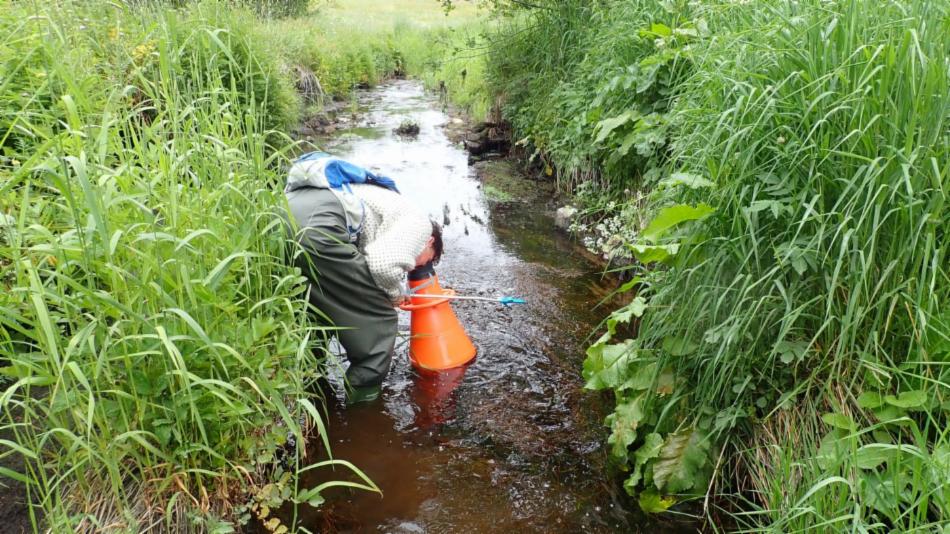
652, 444
654, 253
908, 399
608, 125
623, 424
682, 463
672, 216
608, 366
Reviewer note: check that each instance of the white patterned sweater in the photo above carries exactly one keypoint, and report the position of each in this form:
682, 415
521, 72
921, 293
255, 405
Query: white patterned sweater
394, 233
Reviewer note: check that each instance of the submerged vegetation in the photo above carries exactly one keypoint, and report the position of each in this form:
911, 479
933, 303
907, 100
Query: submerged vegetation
779, 172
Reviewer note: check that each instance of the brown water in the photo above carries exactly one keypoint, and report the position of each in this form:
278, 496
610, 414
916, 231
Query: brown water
512, 442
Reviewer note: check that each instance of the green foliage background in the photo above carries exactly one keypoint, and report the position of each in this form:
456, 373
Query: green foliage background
775, 172
779, 172
154, 343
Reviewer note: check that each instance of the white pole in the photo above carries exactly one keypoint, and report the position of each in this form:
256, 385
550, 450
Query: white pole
455, 297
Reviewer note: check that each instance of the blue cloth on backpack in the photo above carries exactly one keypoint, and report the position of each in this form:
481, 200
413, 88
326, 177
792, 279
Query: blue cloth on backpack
323, 171
340, 172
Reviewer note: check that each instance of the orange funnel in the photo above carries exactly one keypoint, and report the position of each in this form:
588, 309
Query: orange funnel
438, 341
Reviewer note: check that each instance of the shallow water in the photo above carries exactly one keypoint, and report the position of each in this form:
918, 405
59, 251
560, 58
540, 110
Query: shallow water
511, 441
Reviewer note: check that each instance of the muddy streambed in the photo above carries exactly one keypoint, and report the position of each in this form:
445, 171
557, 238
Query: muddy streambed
512, 442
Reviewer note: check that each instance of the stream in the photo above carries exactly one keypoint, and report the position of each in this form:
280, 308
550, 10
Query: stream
511, 442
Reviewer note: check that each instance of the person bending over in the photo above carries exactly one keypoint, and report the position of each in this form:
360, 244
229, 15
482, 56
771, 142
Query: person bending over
359, 238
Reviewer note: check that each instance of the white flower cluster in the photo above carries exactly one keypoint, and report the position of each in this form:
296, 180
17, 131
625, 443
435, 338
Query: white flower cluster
609, 237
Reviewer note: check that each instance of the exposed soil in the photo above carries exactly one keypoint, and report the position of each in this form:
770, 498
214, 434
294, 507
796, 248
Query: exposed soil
14, 513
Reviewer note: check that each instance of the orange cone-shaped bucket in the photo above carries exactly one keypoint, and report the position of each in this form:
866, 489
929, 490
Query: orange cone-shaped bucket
438, 340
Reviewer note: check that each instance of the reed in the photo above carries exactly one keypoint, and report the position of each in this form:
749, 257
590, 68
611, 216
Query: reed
780, 171
156, 341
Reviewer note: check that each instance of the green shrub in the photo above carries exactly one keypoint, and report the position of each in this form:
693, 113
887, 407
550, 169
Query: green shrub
263, 8
213, 47
804, 229
155, 337
594, 104
277, 8
154, 342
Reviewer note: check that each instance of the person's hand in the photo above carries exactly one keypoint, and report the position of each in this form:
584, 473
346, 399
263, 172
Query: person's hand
404, 301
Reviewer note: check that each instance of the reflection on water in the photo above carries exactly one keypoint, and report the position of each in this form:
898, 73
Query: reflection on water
432, 395
512, 442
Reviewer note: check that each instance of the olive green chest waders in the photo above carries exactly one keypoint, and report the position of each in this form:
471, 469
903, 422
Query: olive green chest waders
342, 287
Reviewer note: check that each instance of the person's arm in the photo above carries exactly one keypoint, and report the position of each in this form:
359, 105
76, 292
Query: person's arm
393, 253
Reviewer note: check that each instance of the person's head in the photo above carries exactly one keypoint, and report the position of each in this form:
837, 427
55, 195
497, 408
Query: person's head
433, 249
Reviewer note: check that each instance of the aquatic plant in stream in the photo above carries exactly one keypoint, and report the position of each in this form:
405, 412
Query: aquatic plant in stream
800, 320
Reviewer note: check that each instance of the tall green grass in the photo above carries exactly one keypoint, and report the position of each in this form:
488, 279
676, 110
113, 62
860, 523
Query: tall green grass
592, 108
593, 103
792, 332
358, 45
155, 339
816, 282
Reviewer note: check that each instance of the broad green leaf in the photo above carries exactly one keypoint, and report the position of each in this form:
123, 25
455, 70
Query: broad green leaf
652, 502
677, 346
881, 493
623, 425
608, 125
672, 216
873, 455
310, 496
631, 483
608, 366
624, 314
665, 382
870, 399
693, 181
654, 253
628, 142
660, 29
652, 444
682, 462
908, 399
640, 376
887, 413
832, 451
790, 351
839, 420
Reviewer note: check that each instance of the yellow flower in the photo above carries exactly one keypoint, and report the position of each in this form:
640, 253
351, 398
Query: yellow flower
142, 51
114, 33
